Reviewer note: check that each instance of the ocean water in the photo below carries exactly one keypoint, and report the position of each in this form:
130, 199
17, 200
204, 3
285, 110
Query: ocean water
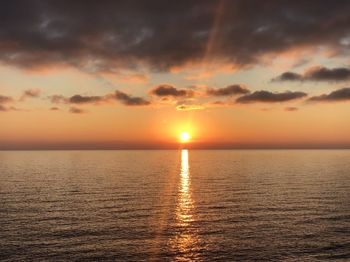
195, 205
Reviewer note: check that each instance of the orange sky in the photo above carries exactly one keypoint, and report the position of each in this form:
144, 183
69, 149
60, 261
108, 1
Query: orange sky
103, 87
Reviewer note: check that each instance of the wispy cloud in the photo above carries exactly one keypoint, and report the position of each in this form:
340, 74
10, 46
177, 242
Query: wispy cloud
58, 99
5, 99
291, 109
30, 93
189, 107
76, 110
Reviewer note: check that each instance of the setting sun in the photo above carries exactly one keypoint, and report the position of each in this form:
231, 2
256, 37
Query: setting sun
184, 137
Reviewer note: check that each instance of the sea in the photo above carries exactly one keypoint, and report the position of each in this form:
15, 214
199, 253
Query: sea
175, 205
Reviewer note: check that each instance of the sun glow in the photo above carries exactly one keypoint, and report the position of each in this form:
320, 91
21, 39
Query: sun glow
184, 136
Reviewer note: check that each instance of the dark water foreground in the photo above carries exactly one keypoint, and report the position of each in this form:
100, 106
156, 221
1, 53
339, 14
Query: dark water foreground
175, 205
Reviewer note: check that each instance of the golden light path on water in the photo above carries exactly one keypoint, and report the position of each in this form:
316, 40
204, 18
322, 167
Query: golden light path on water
185, 205
186, 240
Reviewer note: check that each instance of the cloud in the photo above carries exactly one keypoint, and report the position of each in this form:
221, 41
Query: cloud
228, 90
160, 34
5, 99
339, 95
11, 108
54, 108
30, 93
79, 99
189, 107
76, 99
58, 99
288, 76
326, 74
76, 110
129, 100
117, 95
115, 75
318, 73
291, 109
169, 90
270, 97
220, 104
2, 108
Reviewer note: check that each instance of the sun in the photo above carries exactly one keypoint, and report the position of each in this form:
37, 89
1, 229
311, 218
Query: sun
184, 136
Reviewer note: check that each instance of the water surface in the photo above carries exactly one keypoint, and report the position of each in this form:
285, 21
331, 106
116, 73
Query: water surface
279, 205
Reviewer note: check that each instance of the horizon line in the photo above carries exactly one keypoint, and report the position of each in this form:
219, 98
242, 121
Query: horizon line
228, 147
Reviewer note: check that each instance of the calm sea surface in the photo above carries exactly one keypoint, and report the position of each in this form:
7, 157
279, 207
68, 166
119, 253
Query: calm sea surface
279, 205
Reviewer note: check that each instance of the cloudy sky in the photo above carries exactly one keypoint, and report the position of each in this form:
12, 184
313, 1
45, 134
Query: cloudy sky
136, 73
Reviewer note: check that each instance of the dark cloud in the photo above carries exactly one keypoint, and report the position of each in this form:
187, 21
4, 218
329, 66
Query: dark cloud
76, 110
169, 90
78, 99
270, 97
228, 90
317, 74
130, 100
326, 74
102, 36
342, 94
117, 95
288, 76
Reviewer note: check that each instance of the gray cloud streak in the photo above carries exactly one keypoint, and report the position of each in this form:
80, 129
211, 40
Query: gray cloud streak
270, 97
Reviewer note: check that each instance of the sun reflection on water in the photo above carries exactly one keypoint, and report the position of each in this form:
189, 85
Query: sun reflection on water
186, 239
185, 205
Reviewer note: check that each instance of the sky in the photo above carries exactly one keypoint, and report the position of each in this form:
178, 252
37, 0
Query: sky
134, 74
